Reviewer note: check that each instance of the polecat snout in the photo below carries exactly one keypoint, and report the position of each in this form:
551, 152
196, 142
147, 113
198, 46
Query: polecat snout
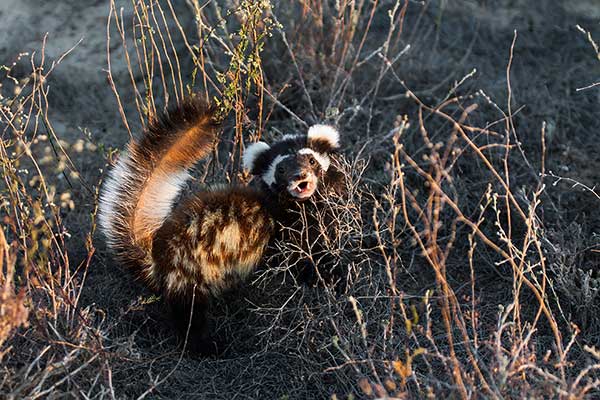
210, 241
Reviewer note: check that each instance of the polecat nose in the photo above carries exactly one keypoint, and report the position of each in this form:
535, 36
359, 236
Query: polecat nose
300, 175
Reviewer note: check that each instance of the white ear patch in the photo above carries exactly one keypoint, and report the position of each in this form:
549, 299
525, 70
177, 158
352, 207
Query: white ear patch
325, 132
322, 159
252, 152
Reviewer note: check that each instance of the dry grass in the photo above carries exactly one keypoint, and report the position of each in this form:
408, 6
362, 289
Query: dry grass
468, 234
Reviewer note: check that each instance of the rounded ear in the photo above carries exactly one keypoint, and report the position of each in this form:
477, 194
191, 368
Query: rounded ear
325, 133
251, 154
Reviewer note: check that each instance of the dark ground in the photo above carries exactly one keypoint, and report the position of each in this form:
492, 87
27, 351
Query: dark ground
552, 59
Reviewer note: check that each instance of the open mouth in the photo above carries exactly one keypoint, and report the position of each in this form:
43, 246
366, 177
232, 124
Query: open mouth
303, 189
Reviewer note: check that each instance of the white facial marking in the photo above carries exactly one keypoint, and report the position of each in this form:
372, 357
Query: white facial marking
325, 132
269, 176
323, 159
290, 137
252, 152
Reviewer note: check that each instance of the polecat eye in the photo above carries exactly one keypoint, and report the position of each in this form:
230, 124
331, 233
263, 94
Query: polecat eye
312, 161
280, 169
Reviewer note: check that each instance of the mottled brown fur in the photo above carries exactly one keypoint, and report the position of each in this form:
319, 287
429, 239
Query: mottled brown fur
227, 232
177, 138
195, 249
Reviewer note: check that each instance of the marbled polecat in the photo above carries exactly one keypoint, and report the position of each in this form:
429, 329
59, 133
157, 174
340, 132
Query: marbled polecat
196, 248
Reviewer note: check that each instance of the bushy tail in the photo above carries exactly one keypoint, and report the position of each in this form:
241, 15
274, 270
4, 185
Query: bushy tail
139, 192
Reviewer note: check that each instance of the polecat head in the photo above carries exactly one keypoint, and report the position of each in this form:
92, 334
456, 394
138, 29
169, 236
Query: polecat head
295, 164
